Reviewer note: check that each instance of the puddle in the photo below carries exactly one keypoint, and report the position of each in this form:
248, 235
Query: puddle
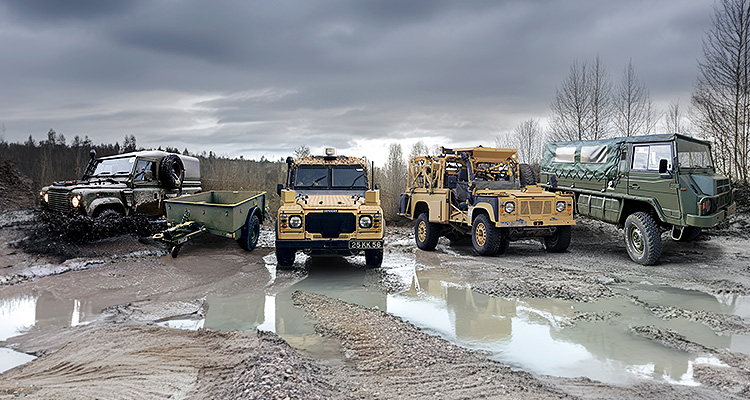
20, 314
536, 335
544, 336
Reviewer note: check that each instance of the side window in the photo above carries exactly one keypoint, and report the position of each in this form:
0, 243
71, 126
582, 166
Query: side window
565, 154
594, 154
647, 157
144, 171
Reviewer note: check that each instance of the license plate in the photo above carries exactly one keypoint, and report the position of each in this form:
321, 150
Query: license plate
366, 244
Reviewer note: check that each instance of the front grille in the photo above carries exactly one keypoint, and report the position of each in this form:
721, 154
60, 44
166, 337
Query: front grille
723, 200
722, 185
536, 207
330, 225
58, 201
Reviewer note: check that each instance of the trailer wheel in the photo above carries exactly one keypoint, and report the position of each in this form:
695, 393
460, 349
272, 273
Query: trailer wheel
426, 233
285, 257
175, 250
559, 241
642, 238
526, 175
485, 236
250, 233
374, 257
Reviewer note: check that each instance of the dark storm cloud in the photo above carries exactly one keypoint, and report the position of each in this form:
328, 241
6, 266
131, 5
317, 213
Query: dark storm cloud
56, 10
257, 78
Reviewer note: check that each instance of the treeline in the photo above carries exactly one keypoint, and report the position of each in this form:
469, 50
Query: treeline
56, 159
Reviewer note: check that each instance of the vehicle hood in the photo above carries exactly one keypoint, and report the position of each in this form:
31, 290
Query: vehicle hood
710, 184
330, 201
83, 185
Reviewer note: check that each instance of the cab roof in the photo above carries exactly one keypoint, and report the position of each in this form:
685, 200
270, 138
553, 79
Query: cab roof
488, 154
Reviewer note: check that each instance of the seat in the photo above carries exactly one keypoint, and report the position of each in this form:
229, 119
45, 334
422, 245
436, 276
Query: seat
461, 192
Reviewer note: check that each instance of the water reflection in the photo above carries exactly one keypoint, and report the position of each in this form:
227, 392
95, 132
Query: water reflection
533, 334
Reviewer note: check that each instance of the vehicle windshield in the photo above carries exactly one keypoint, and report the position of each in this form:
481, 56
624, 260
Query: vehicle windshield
349, 178
335, 177
693, 155
116, 166
311, 177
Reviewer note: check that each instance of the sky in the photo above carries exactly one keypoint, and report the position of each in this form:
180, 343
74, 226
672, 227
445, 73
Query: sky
261, 78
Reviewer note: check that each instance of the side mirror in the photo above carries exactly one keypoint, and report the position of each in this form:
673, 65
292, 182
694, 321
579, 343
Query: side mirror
278, 189
377, 186
663, 166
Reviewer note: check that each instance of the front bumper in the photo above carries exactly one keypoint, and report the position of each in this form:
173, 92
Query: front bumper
707, 221
331, 246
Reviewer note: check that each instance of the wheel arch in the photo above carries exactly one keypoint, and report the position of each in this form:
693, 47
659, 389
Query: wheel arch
421, 207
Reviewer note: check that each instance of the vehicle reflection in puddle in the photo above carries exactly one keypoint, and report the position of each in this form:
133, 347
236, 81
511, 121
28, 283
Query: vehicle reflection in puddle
537, 335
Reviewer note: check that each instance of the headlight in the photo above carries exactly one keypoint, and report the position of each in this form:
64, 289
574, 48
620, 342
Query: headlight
45, 196
509, 207
75, 201
295, 221
706, 206
560, 206
365, 221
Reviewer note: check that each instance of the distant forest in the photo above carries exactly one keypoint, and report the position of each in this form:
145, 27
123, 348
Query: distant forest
56, 159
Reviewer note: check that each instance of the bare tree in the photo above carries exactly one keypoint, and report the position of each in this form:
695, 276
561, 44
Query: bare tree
395, 180
419, 149
600, 100
504, 140
674, 121
634, 111
302, 151
582, 108
570, 109
721, 97
528, 139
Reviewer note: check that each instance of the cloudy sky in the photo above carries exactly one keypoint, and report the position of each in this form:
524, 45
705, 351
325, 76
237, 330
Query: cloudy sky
259, 78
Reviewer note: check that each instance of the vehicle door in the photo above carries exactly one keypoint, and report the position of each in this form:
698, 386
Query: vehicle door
146, 190
645, 180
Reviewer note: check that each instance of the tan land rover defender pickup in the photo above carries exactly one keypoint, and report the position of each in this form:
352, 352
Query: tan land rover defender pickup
484, 193
329, 205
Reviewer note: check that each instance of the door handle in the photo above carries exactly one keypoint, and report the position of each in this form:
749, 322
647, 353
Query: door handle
635, 186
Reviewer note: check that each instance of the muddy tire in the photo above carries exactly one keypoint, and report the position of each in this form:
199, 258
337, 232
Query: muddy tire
691, 232
526, 175
374, 258
426, 233
559, 241
503, 247
250, 233
485, 237
642, 238
171, 171
107, 214
285, 257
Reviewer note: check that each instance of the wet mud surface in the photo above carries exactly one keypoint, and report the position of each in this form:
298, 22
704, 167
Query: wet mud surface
587, 323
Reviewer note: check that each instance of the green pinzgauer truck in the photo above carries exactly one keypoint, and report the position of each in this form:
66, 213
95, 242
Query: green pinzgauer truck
644, 184
486, 194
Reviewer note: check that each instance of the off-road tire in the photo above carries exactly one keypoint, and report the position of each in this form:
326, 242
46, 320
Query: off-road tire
426, 233
526, 175
171, 171
285, 257
642, 238
503, 247
485, 237
690, 233
108, 213
374, 257
250, 233
559, 241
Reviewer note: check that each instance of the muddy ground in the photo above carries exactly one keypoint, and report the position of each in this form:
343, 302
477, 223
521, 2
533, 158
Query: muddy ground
125, 287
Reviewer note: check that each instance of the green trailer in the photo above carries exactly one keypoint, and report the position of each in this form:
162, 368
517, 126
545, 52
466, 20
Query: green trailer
231, 214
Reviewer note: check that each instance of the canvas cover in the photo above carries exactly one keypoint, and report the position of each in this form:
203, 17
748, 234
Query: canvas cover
590, 159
